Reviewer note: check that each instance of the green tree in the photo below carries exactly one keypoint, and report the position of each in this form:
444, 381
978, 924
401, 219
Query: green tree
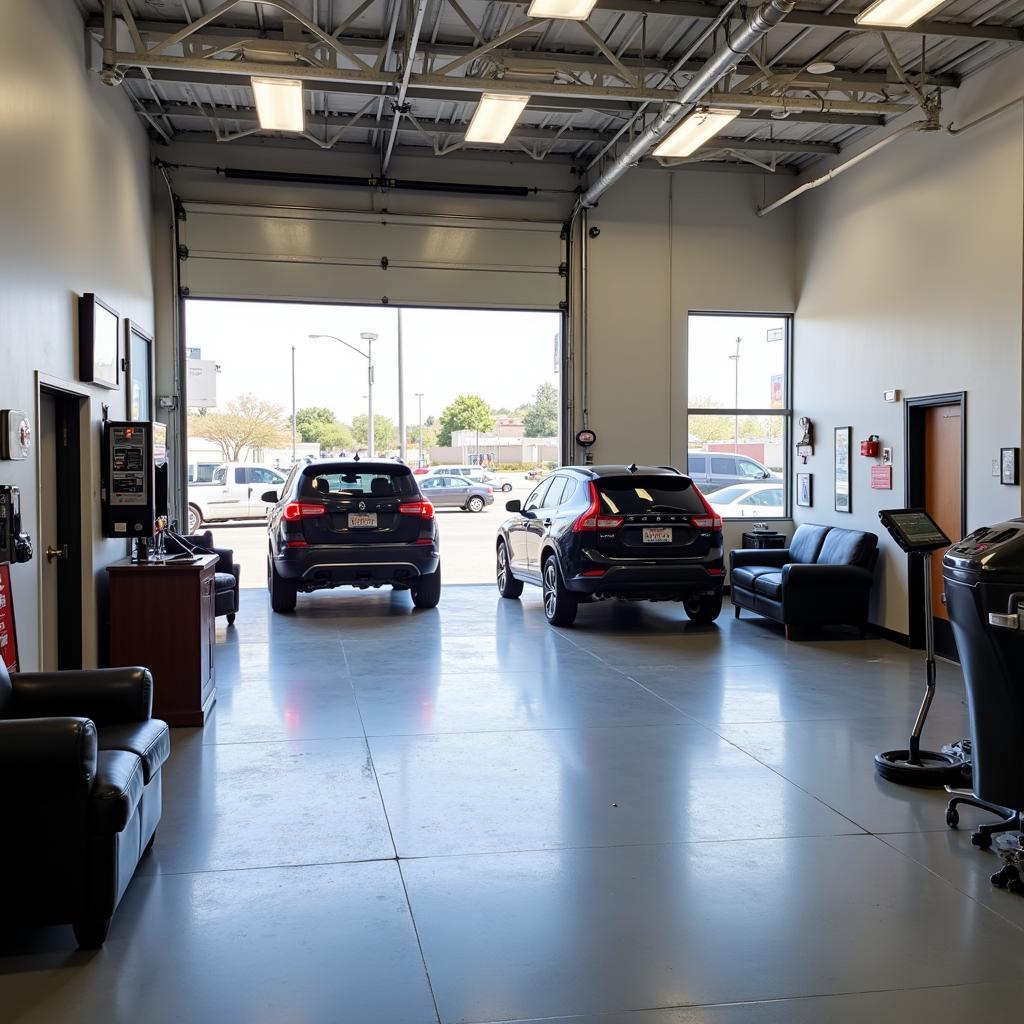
310, 421
429, 435
708, 427
467, 412
248, 422
541, 418
385, 433
335, 437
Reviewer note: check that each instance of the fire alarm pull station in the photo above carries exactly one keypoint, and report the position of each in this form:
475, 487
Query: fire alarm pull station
127, 491
871, 447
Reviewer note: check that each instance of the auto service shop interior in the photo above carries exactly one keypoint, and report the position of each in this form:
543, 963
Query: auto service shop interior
367, 811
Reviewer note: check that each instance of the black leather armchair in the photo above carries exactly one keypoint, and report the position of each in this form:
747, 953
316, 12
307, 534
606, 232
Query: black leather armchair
80, 802
824, 577
228, 574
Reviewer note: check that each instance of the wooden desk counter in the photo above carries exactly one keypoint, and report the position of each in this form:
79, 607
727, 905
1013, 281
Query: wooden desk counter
162, 617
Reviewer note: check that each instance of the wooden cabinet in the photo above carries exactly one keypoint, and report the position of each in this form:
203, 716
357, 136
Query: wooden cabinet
162, 617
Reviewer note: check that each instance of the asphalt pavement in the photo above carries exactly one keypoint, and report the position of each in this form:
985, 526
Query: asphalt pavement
467, 541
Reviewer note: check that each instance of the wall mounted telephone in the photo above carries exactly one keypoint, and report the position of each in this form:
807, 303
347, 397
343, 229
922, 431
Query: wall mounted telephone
15, 546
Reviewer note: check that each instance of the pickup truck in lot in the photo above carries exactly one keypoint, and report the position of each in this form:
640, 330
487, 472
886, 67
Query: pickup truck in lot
233, 493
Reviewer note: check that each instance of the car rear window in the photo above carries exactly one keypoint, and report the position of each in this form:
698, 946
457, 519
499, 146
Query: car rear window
638, 495
346, 482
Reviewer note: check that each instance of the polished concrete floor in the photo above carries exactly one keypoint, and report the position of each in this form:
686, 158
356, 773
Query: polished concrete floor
396, 817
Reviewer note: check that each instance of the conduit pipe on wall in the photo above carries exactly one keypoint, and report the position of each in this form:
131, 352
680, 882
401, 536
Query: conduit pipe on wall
931, 125
766, 17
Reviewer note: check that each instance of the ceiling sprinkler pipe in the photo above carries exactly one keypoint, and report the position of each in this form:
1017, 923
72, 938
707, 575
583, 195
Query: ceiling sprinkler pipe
740, 43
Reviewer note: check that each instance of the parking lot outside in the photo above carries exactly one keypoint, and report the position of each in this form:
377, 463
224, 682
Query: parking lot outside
467, 540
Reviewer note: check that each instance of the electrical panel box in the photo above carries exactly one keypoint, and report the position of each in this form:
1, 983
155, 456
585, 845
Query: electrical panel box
127, 493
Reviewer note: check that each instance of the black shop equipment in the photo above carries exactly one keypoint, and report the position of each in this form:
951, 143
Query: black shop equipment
984, 583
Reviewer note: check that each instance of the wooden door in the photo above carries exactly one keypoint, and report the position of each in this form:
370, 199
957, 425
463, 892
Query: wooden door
943, 457
48, 567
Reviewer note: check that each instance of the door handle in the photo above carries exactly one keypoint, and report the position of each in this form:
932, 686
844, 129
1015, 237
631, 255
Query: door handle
52, 553
546, 522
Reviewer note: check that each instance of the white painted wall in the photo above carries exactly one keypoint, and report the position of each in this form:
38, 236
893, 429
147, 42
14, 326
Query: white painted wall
910, 275
75, 209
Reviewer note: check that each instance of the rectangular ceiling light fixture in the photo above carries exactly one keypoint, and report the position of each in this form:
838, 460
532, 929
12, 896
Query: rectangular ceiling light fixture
496, 115
569, 10
279, 105
694, 131
897, 13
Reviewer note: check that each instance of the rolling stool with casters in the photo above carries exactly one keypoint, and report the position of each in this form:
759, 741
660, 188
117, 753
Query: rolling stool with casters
984, 582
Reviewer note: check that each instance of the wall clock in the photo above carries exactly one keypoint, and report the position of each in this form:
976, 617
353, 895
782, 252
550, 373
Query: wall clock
15, 434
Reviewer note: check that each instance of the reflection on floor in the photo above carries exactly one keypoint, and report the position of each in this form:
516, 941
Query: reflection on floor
465, 815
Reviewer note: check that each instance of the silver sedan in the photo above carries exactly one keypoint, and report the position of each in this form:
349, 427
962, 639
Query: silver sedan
456, 492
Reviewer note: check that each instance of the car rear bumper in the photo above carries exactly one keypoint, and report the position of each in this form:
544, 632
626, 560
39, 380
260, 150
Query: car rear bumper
356, 565
651, 582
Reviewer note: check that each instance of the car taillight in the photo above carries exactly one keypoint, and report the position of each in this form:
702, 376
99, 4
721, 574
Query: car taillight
296, 510
711, 521
490, 490
423, 509
592, 520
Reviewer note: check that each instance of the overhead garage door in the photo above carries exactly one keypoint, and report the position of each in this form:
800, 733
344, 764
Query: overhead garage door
239, 252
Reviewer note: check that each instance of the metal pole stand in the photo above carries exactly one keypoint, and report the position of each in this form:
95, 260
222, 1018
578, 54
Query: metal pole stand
914, 766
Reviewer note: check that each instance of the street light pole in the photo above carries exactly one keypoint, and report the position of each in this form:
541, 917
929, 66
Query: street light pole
419, 459
369, 337
401, 394
736, 400
293, 403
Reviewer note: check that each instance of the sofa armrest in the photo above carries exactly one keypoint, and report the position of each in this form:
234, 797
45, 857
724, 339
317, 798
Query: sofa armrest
236, 571
45, 754
106, 695
225, 559
776, 557
801, 576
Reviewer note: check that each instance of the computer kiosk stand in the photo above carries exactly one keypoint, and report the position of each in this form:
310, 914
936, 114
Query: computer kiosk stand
919, 536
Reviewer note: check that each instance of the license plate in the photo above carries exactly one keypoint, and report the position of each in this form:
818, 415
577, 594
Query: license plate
362, 522
657, 534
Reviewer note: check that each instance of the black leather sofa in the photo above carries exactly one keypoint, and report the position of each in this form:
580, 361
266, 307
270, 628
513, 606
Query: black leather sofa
228, 574
80, 759
823, 578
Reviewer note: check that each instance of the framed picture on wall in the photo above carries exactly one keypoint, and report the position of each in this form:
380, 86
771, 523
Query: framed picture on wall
1009, 466
99, 342
138, 348
804, 490
843, 441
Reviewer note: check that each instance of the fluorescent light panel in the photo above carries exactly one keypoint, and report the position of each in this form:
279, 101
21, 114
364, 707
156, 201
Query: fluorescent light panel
570, 10
897, 13
496, 115
279, 105
695, 130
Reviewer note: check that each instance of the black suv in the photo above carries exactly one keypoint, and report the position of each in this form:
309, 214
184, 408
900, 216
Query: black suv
351, 524
638, 533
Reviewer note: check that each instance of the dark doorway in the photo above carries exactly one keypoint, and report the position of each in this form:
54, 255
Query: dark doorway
936, 445
60, 495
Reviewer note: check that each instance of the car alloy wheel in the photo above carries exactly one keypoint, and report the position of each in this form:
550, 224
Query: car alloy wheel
550, 587
506, 487
502, 567
195, 520
476, 504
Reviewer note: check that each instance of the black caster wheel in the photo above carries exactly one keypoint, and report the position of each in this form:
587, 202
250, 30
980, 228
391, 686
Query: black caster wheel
1004, 877
952, 817
981, 840
1016, 886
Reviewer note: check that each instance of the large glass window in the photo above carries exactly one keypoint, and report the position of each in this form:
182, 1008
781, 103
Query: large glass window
739, 411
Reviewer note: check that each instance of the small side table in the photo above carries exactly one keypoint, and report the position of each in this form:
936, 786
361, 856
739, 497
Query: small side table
762, 540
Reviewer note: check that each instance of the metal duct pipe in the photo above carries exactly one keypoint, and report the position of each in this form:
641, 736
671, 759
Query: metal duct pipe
403, 87
766, 17
930, 125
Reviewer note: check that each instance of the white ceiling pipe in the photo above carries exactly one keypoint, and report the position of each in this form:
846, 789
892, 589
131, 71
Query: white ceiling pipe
760, 22
930, 125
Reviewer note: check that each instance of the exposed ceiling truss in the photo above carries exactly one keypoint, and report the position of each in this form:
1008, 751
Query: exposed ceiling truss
405, 75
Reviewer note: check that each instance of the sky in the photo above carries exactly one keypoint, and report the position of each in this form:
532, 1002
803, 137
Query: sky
502, 356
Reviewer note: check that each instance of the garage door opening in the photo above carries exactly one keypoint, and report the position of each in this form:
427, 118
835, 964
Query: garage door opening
476, 392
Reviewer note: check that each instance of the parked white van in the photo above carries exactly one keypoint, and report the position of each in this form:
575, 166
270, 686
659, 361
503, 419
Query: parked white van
233, 492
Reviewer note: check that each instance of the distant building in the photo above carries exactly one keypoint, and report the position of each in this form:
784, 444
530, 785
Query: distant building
505, 444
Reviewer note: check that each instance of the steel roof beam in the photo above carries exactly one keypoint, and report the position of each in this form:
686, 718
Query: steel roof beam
841, 79
871, 117
247, 116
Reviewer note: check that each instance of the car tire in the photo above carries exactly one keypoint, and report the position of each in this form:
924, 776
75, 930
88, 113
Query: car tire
506, 487
426, 592
560, 603
508, 586
283, 593
475, 504
704, 607
195, 519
